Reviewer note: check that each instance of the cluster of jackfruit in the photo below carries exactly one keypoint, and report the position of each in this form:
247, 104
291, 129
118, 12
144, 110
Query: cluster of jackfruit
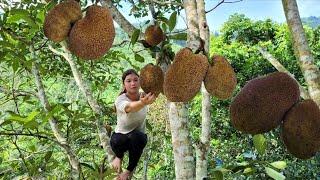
92, 36
89, 37
59, 20
266, 102
185, 75
261, 104
151, 79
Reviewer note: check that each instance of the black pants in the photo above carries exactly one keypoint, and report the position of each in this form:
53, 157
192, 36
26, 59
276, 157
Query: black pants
134, 142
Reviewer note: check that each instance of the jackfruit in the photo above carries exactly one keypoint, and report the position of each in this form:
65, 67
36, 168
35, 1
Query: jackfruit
185, 75
92, 36
151, 79
301, 129
262, 103
220, 80
58, 21
153, 35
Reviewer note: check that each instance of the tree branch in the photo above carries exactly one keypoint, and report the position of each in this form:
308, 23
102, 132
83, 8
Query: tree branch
32, 135
104, 139
74, 162
303, 93
118, 17
221, 2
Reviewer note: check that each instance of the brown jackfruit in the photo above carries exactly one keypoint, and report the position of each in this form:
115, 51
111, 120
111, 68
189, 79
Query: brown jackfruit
58, 21
220, 80
151, 79
92, 36
301, 129
185, 75
153, 35
262, 103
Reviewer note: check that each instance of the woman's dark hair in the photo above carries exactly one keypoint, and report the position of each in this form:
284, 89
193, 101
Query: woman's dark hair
124, 75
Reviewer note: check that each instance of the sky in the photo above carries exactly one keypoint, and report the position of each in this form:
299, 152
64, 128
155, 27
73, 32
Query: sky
253, 9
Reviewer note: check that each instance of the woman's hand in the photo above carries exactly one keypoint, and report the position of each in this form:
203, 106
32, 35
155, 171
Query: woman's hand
148, 98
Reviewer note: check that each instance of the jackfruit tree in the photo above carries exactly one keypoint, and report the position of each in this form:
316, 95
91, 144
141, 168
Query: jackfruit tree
60, 63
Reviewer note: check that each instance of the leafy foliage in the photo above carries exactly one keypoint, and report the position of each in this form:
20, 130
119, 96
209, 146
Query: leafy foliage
28, 147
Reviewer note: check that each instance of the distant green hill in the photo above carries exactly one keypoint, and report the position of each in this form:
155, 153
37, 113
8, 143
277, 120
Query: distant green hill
311, 21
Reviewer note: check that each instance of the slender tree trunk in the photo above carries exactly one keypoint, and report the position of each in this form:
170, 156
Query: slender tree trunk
306, 61
178, 114
202, 148
73, 160
182, 149
104, 138
190, 8
303, 93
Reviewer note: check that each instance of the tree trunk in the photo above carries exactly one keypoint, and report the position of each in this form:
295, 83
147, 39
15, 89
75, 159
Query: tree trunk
178, 114
104, 138
303, 93
190, 8
306, 61
204, 144
182, 149
73, 160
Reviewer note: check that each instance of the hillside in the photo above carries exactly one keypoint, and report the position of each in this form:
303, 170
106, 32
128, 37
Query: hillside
311, 21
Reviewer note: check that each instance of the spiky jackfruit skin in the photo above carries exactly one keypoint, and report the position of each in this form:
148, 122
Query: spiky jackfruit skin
220, 80
185, 75
301, 129
58, 21
92, 36
153, 35
262, 103
151, 79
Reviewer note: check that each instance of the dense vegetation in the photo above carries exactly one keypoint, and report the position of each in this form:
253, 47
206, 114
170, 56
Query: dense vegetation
28, 148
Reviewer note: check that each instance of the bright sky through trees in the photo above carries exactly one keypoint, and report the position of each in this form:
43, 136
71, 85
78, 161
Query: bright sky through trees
254, 9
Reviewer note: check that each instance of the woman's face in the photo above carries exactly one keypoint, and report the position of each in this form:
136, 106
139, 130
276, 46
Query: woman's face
131, 83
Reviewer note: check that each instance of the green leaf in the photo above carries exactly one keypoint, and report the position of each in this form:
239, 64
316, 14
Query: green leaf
32, 148
148, 125
56, 109
15, 64
48, 156
279, 164
218, 175
259, 142
88, 166
180, 36
16, 117
274, 174
21, 14
138, 58
32, 115
135, 36
41, 16
31, 125
247, 170
163, 19
164, 27
172, 21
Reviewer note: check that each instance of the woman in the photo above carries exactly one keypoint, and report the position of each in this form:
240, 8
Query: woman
129, 134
